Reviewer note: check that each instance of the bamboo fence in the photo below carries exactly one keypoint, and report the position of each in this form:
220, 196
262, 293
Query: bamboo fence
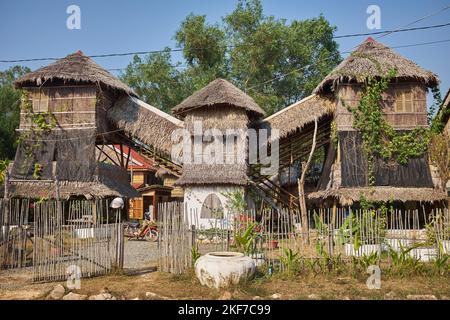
55, 237
332, 232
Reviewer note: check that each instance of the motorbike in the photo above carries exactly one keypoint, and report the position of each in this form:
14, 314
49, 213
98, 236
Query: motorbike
147, 231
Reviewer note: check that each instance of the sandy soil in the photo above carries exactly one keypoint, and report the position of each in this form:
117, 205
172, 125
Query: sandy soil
17, 285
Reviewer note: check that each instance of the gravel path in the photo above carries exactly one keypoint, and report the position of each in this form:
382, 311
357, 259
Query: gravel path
139, 254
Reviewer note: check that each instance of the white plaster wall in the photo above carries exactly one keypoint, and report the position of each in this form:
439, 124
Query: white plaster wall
195, 196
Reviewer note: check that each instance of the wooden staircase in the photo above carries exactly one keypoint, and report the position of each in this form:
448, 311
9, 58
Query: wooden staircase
296, 147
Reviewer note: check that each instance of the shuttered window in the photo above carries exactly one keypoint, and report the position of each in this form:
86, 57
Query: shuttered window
404, 101
40, 100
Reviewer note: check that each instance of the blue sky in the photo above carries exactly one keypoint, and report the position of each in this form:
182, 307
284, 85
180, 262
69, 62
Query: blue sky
35, 29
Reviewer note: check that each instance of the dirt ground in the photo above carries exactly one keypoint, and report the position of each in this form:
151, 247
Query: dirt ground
150, 284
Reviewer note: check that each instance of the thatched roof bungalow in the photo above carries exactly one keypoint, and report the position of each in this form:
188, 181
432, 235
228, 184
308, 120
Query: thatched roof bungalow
219, 105
344, 170
76, 93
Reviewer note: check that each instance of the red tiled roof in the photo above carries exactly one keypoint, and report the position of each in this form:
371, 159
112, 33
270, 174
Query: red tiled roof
136, 185
136, 160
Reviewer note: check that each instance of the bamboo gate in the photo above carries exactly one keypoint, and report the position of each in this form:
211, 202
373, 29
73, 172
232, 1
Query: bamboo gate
58, 238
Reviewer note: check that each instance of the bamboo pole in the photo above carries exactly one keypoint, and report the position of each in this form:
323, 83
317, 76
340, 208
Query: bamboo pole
301, 185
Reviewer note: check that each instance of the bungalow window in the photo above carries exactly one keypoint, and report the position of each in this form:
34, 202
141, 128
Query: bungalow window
212, 208
404, 101
40, 101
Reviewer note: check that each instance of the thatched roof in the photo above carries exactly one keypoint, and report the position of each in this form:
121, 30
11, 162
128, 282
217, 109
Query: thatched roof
155, 187
299, 114
347, 196
204, 174
76, 67
90, 190
219, 93
145, 122
372, 58
110, 182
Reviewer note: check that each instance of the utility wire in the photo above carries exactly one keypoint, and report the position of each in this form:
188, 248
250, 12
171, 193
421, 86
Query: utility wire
384, 33
349, 51
418, 20
346, 52
391, 31
108, 132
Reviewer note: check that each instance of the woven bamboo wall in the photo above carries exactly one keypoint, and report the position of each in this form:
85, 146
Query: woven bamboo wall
221, 118
72, 106
351, 93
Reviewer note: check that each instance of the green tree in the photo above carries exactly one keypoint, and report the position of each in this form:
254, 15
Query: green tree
194, 36
156, 80
9, 110
275, 62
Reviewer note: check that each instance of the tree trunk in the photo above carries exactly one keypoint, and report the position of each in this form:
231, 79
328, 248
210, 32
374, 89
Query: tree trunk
301, 186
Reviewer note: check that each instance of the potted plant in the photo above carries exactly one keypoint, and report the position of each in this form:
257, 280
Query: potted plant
362, 234
426, 251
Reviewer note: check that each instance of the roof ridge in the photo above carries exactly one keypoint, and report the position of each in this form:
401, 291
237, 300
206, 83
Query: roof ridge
290, 107
75, 67
218, 92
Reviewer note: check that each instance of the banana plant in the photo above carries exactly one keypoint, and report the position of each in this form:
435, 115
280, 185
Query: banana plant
368, 260
290, 259
349, 229
245, 241
441, 264
195, 254
401, 259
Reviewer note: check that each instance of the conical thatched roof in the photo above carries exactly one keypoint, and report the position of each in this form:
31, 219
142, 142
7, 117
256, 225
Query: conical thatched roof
219, 92
373, 58
75, 67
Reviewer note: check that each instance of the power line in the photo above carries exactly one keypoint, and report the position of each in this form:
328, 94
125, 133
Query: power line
383, 33
347, 52
392, 31
418, 20
343, 52
420, 44
350, 50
